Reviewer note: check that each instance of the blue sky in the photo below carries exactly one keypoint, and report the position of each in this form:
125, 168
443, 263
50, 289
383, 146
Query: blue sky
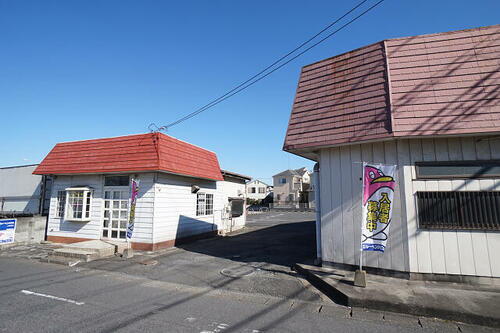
74, 70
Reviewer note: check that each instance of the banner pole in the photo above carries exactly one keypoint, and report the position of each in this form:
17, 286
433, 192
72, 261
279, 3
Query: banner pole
361, 238
359, 275
361, 259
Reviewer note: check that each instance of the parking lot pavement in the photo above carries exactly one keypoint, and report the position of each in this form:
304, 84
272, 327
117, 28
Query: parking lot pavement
278, 217
239, 283
39, 297
257, 259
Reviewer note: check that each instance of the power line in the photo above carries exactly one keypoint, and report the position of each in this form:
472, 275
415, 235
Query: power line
244, 85
265, 69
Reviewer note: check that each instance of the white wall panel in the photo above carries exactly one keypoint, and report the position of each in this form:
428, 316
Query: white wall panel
326, 205
409, 248
337, 222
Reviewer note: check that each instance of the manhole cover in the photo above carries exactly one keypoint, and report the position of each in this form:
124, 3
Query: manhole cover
238, 271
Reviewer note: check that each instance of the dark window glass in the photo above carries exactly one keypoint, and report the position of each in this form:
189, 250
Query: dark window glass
104, 233
459, 210
237, 207
458, 169
116, 181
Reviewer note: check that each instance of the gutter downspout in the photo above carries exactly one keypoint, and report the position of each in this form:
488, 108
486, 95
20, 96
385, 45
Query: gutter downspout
318, 214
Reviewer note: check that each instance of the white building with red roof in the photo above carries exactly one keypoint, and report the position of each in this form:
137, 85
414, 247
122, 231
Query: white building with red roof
182, 192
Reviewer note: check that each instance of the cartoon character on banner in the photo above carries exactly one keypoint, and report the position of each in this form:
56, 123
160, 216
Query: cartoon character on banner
377, 196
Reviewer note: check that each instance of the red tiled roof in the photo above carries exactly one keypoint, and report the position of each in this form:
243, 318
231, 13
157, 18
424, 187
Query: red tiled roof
132, 153
440, 84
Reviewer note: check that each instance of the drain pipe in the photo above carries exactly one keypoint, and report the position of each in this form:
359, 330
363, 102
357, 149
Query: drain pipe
317, 200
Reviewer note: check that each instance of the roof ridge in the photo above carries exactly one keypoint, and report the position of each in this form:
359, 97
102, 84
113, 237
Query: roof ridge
108, 138
444, 32
402, 37
172, 137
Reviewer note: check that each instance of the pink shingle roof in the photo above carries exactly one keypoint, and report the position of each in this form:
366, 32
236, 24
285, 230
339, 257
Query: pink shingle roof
439, 84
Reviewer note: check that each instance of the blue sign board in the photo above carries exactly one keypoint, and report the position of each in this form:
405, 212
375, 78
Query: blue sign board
7, 231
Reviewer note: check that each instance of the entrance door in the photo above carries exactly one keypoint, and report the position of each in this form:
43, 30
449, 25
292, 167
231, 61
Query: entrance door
116, 204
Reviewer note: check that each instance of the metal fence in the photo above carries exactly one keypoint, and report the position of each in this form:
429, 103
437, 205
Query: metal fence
292, 205
459, 210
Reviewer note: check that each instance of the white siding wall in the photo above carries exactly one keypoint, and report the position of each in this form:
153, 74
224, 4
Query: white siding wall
175, 207
93, 228
144, 210
165, 210
409, 249
450, 252
60, 227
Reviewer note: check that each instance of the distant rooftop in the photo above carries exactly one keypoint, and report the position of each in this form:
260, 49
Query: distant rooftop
295, 172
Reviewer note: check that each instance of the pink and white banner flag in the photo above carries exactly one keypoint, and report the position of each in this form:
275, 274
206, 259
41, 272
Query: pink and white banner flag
378, 195
133, 200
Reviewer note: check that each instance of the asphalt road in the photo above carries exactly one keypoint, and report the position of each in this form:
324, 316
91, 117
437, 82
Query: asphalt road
240, 283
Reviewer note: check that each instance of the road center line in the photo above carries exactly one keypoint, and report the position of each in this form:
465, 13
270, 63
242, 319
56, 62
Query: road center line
27, 292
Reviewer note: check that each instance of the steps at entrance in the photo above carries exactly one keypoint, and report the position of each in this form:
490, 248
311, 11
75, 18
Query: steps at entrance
101, 248
71, 254
75, 254
119, 246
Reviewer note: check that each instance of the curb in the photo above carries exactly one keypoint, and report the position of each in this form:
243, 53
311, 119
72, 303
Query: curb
9, 245
340, 297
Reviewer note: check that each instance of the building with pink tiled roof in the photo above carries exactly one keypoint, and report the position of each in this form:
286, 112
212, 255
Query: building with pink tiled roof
429, 104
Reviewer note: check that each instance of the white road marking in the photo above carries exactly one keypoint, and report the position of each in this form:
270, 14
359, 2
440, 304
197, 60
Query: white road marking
27, 292
219, 327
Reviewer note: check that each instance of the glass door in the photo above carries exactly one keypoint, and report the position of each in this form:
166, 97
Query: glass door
116, 206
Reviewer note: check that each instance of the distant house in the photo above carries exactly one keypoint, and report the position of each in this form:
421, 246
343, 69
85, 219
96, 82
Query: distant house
291, 187
182, 193
431, 106
258, 190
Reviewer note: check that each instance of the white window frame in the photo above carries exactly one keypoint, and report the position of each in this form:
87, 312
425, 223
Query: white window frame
209, 204
60, 204
86, 195
110, 209
202, 208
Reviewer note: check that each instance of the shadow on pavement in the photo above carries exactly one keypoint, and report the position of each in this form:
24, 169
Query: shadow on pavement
283, 244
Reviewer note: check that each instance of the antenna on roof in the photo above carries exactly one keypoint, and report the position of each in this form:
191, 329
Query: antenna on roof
153, 128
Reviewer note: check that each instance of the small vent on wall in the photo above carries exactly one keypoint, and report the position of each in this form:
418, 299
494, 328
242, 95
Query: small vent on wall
459, 210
